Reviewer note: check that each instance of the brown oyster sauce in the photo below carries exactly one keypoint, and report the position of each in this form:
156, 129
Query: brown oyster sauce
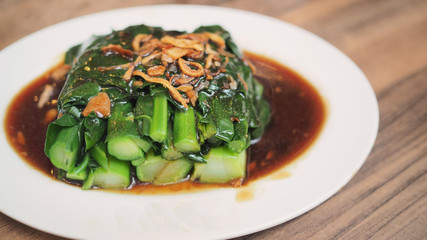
297, 116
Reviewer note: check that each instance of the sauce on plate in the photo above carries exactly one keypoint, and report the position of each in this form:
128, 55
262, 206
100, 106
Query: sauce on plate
297, 116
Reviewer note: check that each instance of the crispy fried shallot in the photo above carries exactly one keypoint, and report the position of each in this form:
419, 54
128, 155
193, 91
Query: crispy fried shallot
208, 74
121, 66
176, 52
166, 59
217, 39
128, 75
149, 47
194, 36
117, 49
209, 50
140, 38
195, 54
174, 93
182, 43
156, 71
184, 88
208, 62
172, 50
174, 78
186, 68
182, 81
148, 58
137, 83
193, 96
100, 104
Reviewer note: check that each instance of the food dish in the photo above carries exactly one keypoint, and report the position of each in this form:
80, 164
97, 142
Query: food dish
162, 105
352, 116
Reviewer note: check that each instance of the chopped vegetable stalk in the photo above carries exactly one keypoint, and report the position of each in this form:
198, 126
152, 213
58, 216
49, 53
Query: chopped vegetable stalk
159, 123
121, 132
66, 148
138, 162
99, 153
153, 165
144, 113
223, 165
175, 171
117, 175
79, 172
88, 182
142, 143
169, 151
184, 131
160, 171
123, 148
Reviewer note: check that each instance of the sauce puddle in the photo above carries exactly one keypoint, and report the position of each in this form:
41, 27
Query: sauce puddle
297, 116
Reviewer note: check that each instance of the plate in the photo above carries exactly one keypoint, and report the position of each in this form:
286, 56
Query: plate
348, 135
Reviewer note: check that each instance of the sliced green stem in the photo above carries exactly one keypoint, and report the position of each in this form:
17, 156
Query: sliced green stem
160, 171
169, 151
184, 131
99, 154
223, 165
159, 122
80, 172
116, 177
144, 113
123, 133
66, 148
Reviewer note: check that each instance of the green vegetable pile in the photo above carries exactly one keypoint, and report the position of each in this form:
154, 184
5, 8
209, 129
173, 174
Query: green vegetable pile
158, 107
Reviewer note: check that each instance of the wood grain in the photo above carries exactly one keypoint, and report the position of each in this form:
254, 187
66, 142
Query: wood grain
387, 198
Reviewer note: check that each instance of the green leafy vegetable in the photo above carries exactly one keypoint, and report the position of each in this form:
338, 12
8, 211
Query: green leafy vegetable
182, 106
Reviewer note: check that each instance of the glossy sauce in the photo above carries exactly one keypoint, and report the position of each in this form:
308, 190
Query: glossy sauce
297, 116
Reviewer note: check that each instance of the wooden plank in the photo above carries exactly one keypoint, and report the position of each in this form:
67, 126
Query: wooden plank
11, 229
387, 222
387, 39
408, 223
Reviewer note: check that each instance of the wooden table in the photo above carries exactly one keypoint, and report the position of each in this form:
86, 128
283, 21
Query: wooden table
387, 198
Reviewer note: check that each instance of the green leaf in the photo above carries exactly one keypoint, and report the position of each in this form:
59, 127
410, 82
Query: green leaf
79, 95
94, 129
66, 120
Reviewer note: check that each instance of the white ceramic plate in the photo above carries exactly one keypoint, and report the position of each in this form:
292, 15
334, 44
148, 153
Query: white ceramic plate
343, 145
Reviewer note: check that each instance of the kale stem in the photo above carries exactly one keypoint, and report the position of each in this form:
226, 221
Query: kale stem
184, 131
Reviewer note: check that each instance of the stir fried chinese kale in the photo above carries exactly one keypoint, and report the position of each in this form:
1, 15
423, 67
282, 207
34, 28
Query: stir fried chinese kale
164, 106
